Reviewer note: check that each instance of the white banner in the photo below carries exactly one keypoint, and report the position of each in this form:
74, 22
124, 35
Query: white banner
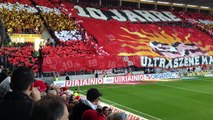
118, 79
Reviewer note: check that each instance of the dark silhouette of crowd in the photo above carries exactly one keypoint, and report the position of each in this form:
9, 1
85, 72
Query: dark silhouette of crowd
29, 99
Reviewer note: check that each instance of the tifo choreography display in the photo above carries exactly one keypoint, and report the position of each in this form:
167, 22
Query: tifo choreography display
147, 59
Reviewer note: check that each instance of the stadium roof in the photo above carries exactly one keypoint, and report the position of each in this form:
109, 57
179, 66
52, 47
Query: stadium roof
207, 3
190, 3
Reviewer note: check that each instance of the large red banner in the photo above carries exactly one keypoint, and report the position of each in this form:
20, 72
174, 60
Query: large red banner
128, 39
88, 63
120, 39
117, 33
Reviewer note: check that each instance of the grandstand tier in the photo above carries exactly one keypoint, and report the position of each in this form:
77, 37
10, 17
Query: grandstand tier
89, 38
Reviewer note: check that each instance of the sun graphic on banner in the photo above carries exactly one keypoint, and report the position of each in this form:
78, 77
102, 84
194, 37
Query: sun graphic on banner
160, 43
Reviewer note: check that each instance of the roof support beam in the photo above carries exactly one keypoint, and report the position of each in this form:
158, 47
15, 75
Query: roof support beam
199, 9
120, 3
185, 8
156, 6
100, 2
139, 5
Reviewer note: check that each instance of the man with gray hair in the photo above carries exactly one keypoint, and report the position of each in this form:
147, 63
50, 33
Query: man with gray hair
117, 116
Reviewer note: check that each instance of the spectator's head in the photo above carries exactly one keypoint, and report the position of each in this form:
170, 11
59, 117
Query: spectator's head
117, 116
105, 110
109, 111
93, 95
52, 93
50, 108
99, 108
92, 115
41, 86
22, 79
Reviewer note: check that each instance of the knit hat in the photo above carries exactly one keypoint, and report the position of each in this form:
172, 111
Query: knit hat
92, 115
40, 85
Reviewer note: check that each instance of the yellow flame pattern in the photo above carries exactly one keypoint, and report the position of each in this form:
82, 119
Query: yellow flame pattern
140, 42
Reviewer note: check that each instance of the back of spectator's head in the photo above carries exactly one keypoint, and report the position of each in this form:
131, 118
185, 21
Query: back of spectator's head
52, 93
21, 79
92, 115
117, 116
50, 108
104, 108
93, 94
99, 108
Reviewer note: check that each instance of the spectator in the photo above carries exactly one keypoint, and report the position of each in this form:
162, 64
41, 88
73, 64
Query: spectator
75, 93
91, 102
99, 109
17, 104
50, 108
96, 74
67, 77
41, 86
105, 75
109, 111
105, 111
56, 78
52, 93
92, 115
117, 116
129, 73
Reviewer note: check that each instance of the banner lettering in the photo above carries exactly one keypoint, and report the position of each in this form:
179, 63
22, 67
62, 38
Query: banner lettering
176, 62
126, 15
119, 79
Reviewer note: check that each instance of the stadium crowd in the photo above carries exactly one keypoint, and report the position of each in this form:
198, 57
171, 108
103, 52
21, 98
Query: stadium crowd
68, 49
24, 98
201, 21
20, 54
72, 39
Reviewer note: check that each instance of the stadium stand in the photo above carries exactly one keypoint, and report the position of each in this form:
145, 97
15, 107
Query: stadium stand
21, 54
95, 44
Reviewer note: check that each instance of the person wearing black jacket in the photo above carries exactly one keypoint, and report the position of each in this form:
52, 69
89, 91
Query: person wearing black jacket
17, 104
91, 102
